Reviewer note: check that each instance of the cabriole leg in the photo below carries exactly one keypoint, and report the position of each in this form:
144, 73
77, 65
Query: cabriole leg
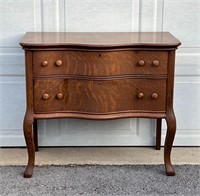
171, 130
28, 134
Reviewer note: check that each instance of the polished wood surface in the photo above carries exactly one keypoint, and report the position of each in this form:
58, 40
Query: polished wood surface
99, 76
98, 96
99, 63
100, 39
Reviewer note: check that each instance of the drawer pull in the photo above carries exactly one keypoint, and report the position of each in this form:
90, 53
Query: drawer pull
154, 95
58, 63
140, 95
156, 63
44, 63
45, 96
141, 62
59, 96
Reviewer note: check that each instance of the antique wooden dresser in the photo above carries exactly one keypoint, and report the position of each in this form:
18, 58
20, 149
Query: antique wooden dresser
99, 76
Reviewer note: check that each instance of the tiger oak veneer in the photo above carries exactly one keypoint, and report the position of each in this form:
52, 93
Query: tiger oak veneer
99, 76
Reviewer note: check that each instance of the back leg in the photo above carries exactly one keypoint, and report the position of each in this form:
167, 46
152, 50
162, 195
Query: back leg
158, 133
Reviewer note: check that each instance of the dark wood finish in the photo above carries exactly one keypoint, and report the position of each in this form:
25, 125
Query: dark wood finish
99, 76
28, 118
35, 134
170, 116
158, 133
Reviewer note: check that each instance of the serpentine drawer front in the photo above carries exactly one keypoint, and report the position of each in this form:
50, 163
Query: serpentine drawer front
99, 76
99, 63
99, 96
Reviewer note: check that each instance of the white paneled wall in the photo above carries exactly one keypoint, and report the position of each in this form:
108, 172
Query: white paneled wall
180, 17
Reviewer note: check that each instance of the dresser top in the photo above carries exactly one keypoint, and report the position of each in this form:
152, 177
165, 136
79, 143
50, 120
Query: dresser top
98, 39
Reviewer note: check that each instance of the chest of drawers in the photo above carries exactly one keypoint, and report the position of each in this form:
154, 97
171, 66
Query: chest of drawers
99, 76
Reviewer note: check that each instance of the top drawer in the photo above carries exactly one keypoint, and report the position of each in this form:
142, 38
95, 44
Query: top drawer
99, 63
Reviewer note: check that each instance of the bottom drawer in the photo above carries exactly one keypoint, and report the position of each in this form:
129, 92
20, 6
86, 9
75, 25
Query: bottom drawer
95, 96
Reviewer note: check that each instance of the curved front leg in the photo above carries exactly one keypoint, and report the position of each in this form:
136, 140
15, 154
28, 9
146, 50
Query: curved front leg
28, 134
171, 130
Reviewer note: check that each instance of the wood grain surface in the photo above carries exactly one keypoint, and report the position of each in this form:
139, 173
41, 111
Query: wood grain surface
99, 39
99, 63
99, 96
99, 76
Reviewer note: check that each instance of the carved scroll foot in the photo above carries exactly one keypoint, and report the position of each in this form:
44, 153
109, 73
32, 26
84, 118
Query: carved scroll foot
28, 134
171, 130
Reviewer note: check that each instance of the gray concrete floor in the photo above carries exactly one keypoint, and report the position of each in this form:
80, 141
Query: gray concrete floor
99, 155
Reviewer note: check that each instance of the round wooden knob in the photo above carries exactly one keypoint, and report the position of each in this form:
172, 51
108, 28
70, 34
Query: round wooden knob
58, 63
156, 63
140, 95
141, 62
154, 95
59, 96
44, 63
45, 96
